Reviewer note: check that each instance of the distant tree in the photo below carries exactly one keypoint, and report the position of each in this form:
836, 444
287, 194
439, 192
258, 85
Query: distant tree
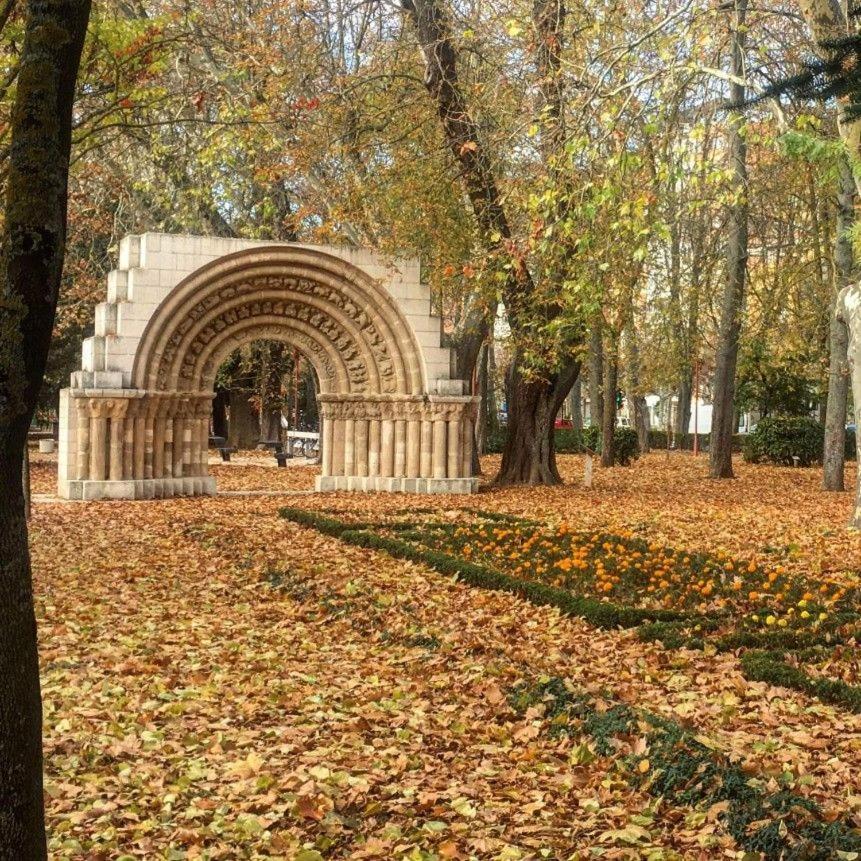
33, 242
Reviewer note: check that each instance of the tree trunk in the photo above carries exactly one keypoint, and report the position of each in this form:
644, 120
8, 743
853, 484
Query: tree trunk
34, 238
635, 395
219, 413
683, 409
576, 401
244, 428
529, 454
834, 451
596, 376
726, 359
608, 426
849, 312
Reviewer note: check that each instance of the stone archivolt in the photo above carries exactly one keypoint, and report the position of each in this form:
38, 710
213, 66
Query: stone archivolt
384, 425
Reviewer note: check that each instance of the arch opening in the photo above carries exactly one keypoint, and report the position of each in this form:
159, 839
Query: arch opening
137, 423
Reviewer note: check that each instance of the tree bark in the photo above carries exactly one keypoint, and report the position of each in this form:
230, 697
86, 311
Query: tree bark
848, 310
683, 410
834, 452
596, 376
219, 413
576, 401
828, 23
33, 246
608, 424
726, 359
244, 426
528, 455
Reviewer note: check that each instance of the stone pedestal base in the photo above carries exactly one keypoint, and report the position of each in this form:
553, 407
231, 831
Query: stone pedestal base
145, 488
325, 483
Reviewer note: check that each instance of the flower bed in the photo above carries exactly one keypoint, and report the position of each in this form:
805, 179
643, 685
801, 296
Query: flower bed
679, 598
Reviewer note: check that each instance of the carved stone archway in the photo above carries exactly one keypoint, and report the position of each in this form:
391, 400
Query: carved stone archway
135, 421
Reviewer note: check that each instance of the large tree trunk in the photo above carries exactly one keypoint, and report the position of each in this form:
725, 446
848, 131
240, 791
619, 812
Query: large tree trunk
838, 367
635, 395
529, 455
244, 427
32, 262
726, 359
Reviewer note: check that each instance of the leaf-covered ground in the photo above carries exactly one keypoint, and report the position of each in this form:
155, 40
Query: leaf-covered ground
221, 683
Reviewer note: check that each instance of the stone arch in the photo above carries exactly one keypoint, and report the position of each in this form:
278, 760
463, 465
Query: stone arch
359, 320
135, 422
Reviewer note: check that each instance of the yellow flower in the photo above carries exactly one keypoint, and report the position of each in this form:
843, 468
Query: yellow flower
770, 620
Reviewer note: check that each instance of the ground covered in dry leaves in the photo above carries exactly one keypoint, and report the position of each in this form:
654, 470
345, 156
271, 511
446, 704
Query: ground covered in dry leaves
222, 683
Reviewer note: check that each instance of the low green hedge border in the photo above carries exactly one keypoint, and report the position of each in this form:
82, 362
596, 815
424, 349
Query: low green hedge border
684, 770
595, 612
665, 626
771, 667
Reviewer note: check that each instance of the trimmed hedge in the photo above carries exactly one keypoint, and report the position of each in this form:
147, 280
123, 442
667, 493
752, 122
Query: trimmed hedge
685, 769
771, 667
781, 440
598, 613
672, 629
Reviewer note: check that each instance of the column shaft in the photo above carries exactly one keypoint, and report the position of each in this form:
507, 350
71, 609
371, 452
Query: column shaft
439, 450
374, 447
387, 454
468, 445
349, 447
83, 453
98, 448
361, 447
426, 460
414, 448
338, 447
328, 438
455, 449
400, 448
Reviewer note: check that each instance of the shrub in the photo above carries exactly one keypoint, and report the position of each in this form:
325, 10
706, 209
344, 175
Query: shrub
625, 443
781, 440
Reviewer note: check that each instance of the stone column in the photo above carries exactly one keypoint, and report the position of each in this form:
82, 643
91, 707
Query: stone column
167, 461
349, 447
400, 469
361, 447
414, 448
159, 443
327, 442
426, 459
387, 454
98, 441
179, 424
82, 465
374, 447
140, 437
118, 435
129, 440
439, 450
455, 448
468, 444
338, 447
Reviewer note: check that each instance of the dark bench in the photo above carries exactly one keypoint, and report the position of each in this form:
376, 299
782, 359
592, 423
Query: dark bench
282, 457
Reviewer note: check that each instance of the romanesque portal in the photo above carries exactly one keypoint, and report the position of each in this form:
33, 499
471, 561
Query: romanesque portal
134, 423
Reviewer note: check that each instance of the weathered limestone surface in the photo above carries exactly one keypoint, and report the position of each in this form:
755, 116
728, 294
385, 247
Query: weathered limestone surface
135, 421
